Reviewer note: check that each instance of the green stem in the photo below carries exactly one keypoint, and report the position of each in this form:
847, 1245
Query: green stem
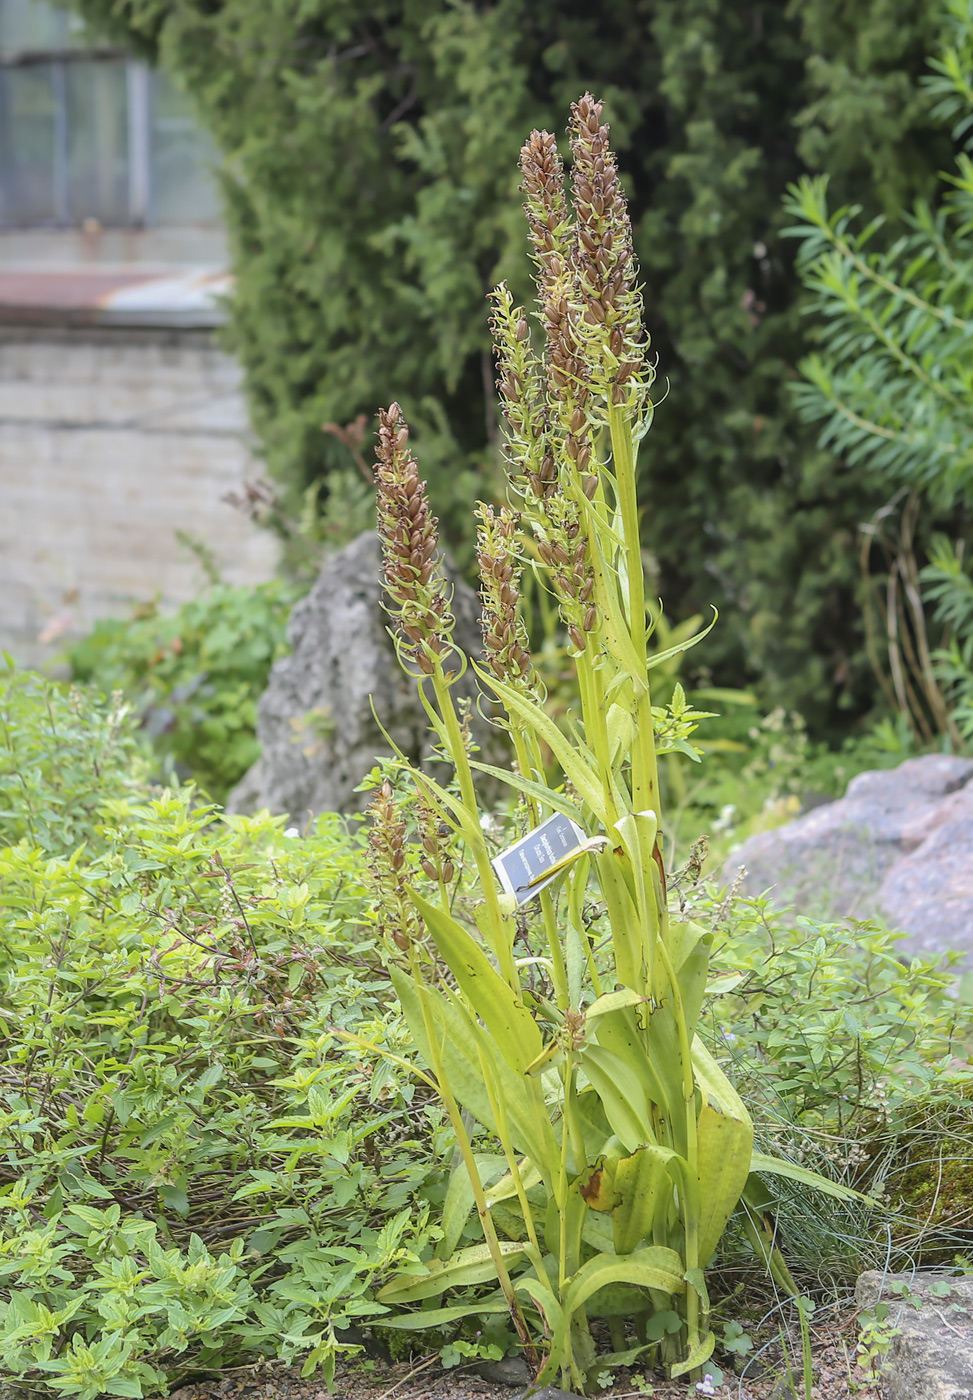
645, 775
558, 970
466, 1148
690, 1217
499, 1110
502, 942
596, 731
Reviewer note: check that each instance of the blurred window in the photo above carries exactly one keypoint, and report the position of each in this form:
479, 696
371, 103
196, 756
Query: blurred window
87, 133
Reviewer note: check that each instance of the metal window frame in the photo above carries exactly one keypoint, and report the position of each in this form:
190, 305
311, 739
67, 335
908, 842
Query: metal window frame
138, 84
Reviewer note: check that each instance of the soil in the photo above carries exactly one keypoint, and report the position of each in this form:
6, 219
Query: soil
835, 1378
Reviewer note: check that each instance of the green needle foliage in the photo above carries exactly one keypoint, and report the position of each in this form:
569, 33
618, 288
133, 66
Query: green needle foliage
892, 385
625, 1147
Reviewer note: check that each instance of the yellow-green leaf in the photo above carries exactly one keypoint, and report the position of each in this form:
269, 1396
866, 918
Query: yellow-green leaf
503, 1013
467, 1266
654, 1267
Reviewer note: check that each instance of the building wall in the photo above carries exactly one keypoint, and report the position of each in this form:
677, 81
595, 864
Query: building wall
111, 441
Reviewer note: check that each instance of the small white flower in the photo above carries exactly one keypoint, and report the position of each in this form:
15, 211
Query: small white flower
706, 1386
292, 831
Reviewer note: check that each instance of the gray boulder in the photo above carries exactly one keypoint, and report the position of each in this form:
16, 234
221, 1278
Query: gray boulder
898, 846
318, 733
931, 1325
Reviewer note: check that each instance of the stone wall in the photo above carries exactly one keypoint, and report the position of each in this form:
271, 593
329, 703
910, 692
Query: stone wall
111, 441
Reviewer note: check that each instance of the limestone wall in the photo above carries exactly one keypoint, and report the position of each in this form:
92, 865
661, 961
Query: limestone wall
111, 441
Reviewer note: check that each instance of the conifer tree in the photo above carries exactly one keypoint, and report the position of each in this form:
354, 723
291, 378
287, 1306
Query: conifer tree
363, 138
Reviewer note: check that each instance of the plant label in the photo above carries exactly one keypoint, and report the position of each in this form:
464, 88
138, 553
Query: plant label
530, 864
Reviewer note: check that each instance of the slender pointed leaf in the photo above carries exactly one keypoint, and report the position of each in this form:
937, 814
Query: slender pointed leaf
510, 1023
466, 1267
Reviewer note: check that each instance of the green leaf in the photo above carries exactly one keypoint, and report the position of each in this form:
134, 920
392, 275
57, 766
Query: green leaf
458, 1036
644, 1190
622, 1095
459, 1198
440, 1317
654, 1267
546, 796
574, 766
510, 1023
466, 1267
724, 1144
700, 1353
775, 1166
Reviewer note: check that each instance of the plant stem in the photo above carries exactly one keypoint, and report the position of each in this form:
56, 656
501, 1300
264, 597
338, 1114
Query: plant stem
645, 775
466, 1148
502, 944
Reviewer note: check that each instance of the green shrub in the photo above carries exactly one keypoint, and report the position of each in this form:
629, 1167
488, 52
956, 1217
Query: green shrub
194, 676
194, 1171
60, 751
853, 1061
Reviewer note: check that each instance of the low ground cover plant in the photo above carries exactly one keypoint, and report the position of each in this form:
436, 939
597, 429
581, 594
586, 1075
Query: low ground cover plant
192, 1170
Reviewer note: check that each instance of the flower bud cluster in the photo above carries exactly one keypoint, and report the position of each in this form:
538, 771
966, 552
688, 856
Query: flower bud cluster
389, 873
505, 643
413, 577
550, 232
610, 323
562, 544
528, 447
434, 836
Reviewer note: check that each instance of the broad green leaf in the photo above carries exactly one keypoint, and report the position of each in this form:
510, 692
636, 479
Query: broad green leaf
724, 1144
659, 1075
654, 1267
459, 1198
616, 875
715, 1086
555, 1318
644, 1189
635, 945
597, 1232
510, 1023
724, 984
505, 1188
612, 1001
466, 1267
692, 982
683, 937
621, 728
623, 1096
458, 1037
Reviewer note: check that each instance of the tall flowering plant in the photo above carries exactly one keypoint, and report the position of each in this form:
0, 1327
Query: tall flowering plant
623, 1148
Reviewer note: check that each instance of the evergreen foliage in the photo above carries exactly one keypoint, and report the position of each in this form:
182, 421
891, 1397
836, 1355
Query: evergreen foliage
892, 384
361, 139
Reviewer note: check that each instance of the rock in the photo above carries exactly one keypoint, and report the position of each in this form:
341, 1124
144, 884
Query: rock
318, 734
930, 1355
509, 1370
898, 846
549, 1392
